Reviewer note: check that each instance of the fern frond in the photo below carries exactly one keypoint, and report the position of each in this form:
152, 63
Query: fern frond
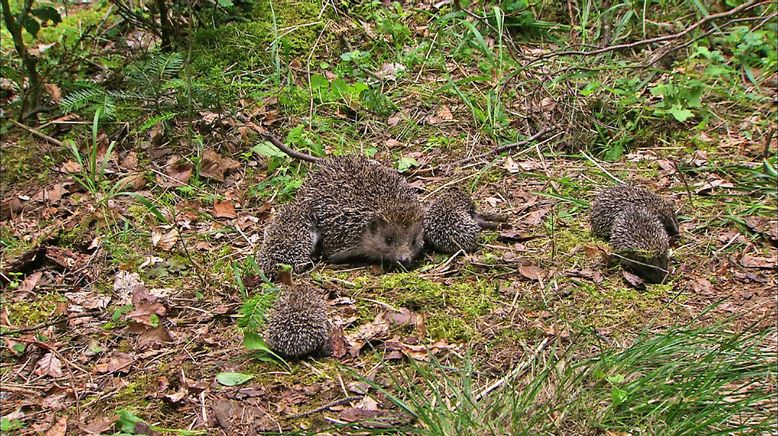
82, 98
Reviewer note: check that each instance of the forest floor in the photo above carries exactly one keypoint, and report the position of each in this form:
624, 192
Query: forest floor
130, 223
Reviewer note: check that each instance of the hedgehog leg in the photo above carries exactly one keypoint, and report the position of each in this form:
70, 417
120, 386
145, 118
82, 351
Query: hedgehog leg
489, 221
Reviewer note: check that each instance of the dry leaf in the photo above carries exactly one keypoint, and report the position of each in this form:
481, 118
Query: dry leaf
70, 167
390, 71
178, 173
224, 209
87, 300
100, 425
54, 92
164, 241
213, 165
10, 208
29, 282
59, 428
49, 365
123, 285
759, 262
635, 281
532, 272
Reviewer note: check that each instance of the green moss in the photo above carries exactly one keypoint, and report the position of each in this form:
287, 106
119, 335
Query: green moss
28, 313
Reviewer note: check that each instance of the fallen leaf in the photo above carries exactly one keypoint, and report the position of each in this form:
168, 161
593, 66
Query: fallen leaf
54, 92
442, 114
635, 281
759, 262
165, 241
764, 226
214, 166
534, 218
130, 161
178, 173
52, 194
59, 428
532, 272
100, 425
145, 305
49, 365
376, 329
224, 209
66, 258
395, 119
123, 285
29, 282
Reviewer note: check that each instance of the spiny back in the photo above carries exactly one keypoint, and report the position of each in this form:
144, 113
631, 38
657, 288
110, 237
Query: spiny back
641, 241
364, 209
611, 201
297, 324
449, 224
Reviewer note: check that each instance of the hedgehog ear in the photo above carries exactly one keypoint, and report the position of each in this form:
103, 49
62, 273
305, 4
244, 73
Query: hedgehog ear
375, 223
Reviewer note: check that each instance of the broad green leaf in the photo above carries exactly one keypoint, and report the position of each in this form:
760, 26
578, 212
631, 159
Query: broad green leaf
225, 3
254, 342
406, 163
267, 149
319, 82
233, 378
680, 113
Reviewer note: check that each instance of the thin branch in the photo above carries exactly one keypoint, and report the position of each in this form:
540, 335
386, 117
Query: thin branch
500, 149
741, 8
39, 134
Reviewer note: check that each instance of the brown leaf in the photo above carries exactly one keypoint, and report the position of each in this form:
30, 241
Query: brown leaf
634, 281
54, 92
178, 173
145, 305
70, 167
120, 362
338, 341
377, 329
532, 272
10, 208
59, 428
29, 282
130, 161
213, 165
51, 195
100, 424
224, 209
395, 119
165, 241
154, 337
49, 365
759, 262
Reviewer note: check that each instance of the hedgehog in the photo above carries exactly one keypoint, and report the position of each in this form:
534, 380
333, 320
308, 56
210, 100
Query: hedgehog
297, 324
610, 202
641, 243
290, 238
452, 224
364, 210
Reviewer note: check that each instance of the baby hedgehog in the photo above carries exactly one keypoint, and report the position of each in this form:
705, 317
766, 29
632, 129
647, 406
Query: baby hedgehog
610, 202
640, 241
290, 238
297, 324
452, 224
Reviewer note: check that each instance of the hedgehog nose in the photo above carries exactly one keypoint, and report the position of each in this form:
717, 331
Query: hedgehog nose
405, 261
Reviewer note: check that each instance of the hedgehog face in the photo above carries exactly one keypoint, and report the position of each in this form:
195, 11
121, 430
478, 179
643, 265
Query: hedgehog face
653, 269
392, 240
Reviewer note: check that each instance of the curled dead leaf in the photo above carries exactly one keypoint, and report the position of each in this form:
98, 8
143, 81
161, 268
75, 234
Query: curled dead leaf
224, 209
214, 166
49, 365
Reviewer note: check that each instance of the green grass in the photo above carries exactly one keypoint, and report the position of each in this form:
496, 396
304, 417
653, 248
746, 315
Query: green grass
686, 380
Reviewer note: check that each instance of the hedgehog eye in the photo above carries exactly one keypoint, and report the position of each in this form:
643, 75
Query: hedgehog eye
388, 240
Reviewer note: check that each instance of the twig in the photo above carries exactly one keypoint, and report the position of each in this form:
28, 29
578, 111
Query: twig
46, 324
324, 407
654, 40
591, 159
500, 149
685, 183
514, 372
38, 133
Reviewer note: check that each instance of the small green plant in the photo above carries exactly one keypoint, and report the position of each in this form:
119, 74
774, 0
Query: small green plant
679, 99
92, 175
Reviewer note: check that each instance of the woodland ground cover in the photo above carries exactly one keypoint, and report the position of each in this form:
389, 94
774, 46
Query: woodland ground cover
136, 185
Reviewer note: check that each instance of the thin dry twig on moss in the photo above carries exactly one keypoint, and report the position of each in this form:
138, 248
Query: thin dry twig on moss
498, 150
745, 6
